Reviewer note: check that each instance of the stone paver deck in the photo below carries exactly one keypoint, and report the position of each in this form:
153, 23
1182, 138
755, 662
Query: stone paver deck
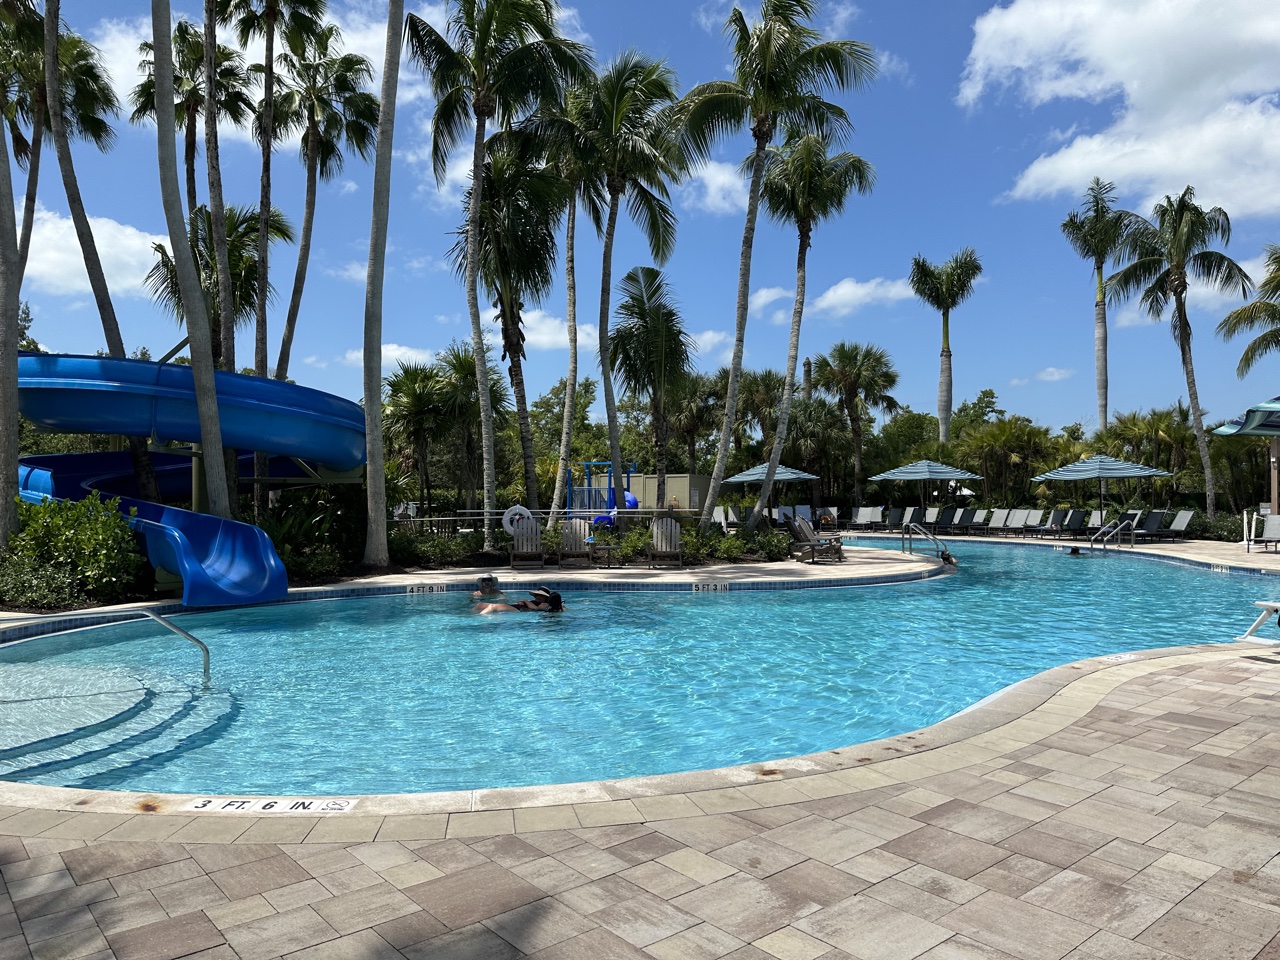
1108, 809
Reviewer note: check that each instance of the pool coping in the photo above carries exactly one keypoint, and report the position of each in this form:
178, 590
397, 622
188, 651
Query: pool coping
993, 716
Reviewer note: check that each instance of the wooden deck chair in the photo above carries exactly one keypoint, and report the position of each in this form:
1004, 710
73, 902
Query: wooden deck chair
575, 542
664, 542
526, 545
811, 547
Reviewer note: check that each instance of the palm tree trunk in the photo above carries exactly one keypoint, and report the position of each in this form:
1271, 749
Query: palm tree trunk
264, 222
606, 365
218, 225
33, 181
944, 382
516, 372
375, 544
661, 436
304, 254
788, 387
190, 149
739, 337
1193, 400
1100, 348
189, 283
9, 284
477, 335
571, 379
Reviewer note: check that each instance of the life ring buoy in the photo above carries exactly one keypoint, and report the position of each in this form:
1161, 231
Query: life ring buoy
515, 515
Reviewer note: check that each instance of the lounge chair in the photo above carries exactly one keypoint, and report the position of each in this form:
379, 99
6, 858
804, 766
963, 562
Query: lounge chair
1150, 528
1178, 529
1097, 520
943, 522
1014, 522
912, 515
997, 521
664, 542
1073, 525
526, 545
894, 520
960, 523
930, 517
805, 511
826, 517
1044, 529
1270, 533
575, 542
811, 547
867, 518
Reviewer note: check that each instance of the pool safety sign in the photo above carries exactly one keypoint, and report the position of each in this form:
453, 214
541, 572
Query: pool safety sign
265, 805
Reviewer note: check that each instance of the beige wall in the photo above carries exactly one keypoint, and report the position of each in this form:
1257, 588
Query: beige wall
684, 491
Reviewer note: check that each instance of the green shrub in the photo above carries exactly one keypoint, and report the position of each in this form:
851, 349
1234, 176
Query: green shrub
39, 586
1225, 526
86, 543
729, 549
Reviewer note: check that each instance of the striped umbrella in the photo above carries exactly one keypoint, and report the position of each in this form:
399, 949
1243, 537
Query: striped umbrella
926, 470
1100, 467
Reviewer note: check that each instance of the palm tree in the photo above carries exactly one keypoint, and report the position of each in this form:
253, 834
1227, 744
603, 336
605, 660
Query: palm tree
188, 281
860, 377
375, 544
652, 354
523, 202
142, 469
218, 215
242, 251
695, 411
1160, 257
1094, 232
1262, 316
803, 185
460, 407
782, 69
323, 94
233, 102
759, 399
505, 58
944, 287
264, 18
412, 418
632, 129
570, 154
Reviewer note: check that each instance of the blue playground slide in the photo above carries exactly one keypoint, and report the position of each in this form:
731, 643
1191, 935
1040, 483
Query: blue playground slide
221, 562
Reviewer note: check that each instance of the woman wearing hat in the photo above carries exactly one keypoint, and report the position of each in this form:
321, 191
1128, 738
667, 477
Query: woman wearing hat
488, 590
544, 601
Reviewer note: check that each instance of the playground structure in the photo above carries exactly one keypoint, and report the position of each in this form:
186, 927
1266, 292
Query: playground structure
597, 495
313, 436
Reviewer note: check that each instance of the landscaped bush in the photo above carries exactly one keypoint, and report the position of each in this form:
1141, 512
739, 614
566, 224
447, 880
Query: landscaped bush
318, 532
1225, 526
68, 552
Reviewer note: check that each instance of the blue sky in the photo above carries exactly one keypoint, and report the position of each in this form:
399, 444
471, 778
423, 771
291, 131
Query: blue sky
985, 126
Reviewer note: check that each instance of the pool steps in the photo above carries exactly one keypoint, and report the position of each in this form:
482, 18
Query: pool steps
172, 721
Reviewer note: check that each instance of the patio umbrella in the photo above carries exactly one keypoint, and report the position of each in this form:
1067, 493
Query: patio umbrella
926, 470
1100, 467
1261, 420
781, 475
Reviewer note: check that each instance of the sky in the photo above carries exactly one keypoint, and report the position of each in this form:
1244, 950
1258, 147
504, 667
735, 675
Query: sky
985, 125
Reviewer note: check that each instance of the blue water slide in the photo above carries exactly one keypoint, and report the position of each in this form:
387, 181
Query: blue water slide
221, 562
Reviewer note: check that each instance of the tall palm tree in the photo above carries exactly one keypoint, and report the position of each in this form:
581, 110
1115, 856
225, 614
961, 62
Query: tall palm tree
460, 408
652, 354
233, 101
218, 211
1262, 317
632, 129
1160, 258
242, 249
58, 130
266, 18
570, 153
782, 70
522, 203
323, 94
413, 418
759, 399
803, 185
505, 58
860, 377
944, 287
1094, 232
188, 281
375, 544
695, 413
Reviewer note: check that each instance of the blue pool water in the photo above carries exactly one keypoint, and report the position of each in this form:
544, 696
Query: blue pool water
414, 693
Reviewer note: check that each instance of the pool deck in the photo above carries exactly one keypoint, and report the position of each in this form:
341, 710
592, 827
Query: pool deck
1119, 807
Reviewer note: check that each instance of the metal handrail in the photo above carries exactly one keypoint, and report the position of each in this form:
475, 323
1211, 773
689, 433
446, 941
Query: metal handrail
204, 651
911, 530
1110, 531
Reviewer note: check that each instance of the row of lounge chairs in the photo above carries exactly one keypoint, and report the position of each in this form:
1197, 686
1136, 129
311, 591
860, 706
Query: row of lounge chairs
1028, 522
577, 543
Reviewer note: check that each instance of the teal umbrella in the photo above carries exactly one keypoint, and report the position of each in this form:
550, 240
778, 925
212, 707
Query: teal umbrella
1100, 467
923, 470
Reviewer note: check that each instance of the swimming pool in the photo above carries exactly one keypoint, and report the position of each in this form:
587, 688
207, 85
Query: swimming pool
413, 693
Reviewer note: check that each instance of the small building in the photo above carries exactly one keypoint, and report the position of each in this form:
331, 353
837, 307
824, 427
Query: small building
685, 491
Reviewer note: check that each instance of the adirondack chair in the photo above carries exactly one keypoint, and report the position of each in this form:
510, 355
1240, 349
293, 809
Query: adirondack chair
812, 547
575, 542
526, 545
664, 544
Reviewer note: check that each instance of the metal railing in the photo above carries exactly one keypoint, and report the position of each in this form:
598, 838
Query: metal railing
1110, 532
911, 531
204, 651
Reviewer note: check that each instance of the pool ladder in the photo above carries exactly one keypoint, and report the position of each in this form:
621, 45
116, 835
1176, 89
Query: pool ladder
168, 624
1111, 532
910, 531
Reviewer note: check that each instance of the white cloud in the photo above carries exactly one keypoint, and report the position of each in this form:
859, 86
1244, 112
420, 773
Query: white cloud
314, 361
715, 347
393, 354
56, 265
426, 264
840, 15
765, 296
569, 25
894, 67
1054, 374
346, 187
543, 331
354, 270
1197, 98
711, 15
1019, 382
781, 318
716, 188
849, 295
